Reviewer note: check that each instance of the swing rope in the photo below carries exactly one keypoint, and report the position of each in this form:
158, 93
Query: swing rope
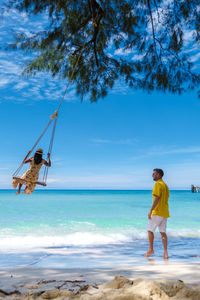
27, 155
54, 117
50, 150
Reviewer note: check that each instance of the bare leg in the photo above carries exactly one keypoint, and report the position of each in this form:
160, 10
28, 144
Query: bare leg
24, 192
164, 241
19, 189
150, 250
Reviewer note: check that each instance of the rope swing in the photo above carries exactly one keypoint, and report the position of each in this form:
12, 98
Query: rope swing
53, 119
44, 181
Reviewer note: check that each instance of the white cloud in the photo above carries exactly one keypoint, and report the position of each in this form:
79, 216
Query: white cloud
122, 176
122, 51
9, 67
177, 176
188, 36
101, 141
120, 88
182, 175
40, 87
101, 181
21, 85
110, 141
137, 57
5, 181
4, 82
167, 151
195, 57
191, 149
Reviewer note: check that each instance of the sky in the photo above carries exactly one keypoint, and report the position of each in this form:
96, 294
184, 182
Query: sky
112, 144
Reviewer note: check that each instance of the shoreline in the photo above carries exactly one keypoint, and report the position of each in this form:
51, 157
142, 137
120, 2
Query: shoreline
17, 283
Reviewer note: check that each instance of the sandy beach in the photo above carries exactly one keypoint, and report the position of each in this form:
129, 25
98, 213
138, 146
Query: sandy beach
151, 282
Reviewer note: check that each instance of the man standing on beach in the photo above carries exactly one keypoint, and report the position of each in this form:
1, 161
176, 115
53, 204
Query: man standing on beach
159, 212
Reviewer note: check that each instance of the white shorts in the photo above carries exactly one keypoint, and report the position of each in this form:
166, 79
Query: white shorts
157, 221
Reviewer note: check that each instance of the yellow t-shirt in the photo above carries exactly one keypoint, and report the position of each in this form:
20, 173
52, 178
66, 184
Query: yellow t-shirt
161, 190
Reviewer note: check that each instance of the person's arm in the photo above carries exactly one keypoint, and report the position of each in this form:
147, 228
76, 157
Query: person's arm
48, 164
27, 161
155, 203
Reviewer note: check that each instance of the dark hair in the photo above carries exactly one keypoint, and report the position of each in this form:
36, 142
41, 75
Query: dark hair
160, 172
37, 158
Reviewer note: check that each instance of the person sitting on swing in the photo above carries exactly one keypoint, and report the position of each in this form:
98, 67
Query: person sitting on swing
31, 176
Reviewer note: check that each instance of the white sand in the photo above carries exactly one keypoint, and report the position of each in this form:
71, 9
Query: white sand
87, 283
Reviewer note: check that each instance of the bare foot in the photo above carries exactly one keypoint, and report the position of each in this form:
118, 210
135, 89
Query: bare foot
165, 255
149, 253
151, 261
17, 193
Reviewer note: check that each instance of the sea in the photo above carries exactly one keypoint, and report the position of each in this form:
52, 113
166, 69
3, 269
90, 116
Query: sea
92, 228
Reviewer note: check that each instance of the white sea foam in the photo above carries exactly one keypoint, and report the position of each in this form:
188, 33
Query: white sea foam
75, 239
184, 233
12, 242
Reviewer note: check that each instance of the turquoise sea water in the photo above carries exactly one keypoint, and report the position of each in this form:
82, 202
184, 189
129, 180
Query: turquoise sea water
92, 228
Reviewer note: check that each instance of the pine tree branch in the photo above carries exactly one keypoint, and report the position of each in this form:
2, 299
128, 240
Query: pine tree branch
85, 22
96, 24
175, 13
89, 5
95, 53
156, 6
152, 26
178, 60
83, 46
155, 29
96, 30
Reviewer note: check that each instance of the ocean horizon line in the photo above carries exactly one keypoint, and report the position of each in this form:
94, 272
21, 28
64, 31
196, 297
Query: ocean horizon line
93, 189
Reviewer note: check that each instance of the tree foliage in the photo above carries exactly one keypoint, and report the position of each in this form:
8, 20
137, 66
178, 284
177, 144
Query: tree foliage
155, 39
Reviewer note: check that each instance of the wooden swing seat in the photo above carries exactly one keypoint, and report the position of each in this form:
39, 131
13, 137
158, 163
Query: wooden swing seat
36, 182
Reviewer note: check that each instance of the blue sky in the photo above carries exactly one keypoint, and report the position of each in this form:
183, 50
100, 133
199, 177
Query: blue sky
114, 143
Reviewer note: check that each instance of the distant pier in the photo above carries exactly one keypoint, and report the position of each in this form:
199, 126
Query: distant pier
195, 189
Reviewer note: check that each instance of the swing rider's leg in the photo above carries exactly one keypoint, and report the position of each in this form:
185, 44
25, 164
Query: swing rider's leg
151, 239
164, 241
19, 189
24, 191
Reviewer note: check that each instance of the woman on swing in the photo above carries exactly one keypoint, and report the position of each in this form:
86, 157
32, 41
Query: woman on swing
32, 174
